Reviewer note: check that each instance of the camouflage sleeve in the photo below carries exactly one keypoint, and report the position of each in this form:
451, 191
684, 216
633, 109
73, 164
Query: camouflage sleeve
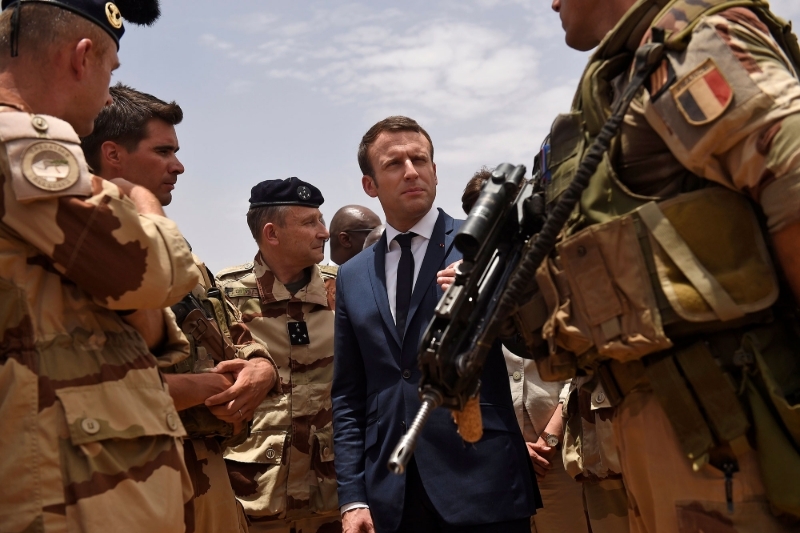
731, 112
92, 234
176, 346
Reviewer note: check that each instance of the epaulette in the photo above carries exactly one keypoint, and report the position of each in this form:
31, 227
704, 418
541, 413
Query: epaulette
235, 272
328, 271
44, 156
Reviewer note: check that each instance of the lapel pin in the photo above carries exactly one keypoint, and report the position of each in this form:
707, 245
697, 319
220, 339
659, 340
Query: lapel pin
441, 245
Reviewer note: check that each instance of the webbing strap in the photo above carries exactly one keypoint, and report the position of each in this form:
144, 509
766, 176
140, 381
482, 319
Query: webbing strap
715, 393
676, 248
681, 409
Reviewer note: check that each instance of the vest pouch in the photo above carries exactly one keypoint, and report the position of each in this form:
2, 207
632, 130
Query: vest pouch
710, 255
609, 294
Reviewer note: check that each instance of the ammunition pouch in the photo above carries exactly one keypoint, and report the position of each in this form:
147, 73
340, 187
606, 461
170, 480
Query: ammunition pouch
633, 285
203, 322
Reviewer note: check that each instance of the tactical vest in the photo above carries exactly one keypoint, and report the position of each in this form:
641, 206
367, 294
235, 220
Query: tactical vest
202, 317
637, 282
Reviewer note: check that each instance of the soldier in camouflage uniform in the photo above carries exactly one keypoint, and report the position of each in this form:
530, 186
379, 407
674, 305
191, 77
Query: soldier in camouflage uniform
283, 474
662, 287
90, 436
135, 138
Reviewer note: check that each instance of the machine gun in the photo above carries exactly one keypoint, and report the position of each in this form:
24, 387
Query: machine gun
497, 274
507, 213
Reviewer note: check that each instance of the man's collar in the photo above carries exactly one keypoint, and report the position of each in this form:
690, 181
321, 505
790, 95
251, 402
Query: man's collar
423, 228
12, 99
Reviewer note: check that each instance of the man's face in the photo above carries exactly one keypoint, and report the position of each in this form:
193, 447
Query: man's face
94, 94
302, 236
405, 177
578, 18
154, 163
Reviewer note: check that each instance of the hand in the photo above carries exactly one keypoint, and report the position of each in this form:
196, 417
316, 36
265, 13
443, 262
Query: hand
188, 390
541, 457
357, 521
254, 379
446, 277
145, 201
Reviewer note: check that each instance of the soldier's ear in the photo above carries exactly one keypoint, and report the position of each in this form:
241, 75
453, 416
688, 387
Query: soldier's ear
269, 234
110, 154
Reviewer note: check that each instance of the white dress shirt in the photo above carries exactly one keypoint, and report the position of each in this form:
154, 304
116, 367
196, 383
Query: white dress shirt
419, 245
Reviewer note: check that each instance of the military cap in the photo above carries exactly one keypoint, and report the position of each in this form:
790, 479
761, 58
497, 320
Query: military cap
291, 191
107, 15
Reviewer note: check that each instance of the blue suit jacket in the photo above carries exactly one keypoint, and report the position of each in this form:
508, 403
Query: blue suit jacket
490, 481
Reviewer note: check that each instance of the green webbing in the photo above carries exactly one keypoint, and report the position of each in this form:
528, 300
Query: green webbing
716, 395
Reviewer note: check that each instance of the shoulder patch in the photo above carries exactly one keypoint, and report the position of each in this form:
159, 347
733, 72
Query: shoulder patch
703, 94
241, 292
235, 272
328, 271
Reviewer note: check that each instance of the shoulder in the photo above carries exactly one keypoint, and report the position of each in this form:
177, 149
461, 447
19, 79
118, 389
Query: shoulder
328, 271
44, 157
238, 281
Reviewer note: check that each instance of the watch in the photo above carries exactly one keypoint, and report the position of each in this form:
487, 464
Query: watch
550, 439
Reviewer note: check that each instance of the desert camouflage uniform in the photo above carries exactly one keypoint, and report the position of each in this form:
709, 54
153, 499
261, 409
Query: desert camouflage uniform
90, 436
214, 505
283, 474
749, 143
590, 456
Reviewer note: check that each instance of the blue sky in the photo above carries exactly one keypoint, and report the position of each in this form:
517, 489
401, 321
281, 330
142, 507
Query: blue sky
276, 89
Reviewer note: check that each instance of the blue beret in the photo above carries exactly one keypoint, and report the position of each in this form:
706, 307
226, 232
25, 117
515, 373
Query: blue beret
107, 15
290, 191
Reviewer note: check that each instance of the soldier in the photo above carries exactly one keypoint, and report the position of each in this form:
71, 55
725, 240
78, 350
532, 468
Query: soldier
91, 438
350, 227
662, 289
135, 138
283, 474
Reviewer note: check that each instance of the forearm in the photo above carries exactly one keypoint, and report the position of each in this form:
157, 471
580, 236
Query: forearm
188, 390
150, 325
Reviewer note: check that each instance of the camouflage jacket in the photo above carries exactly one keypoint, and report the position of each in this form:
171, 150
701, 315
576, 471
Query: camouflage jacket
285, 469
90, 434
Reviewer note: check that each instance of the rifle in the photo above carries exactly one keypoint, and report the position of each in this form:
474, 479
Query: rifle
497, 273
507, 213
199, 324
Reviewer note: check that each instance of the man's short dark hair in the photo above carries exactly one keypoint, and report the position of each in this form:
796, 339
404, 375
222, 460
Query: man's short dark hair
473, 189
390, 124
125, 121
258, 217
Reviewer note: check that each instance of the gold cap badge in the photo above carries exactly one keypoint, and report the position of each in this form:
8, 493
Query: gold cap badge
113, 15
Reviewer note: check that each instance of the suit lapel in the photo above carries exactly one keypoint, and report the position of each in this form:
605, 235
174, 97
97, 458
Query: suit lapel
377, 277
438, 247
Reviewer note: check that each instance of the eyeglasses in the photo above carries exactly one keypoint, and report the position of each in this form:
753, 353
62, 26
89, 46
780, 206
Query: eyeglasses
358, 230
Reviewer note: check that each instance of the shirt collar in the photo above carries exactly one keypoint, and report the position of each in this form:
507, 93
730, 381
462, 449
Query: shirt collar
423, 228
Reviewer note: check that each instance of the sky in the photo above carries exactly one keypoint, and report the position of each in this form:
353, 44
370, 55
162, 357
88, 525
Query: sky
272, 89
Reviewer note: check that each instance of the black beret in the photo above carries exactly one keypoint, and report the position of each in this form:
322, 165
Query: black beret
107, 15
290, 191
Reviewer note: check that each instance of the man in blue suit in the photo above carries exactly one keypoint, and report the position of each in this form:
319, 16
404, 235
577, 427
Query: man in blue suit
385, 299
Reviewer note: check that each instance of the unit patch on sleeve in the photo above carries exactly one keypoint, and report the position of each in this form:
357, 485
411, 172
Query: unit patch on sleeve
703, 94
50, 166
298, 333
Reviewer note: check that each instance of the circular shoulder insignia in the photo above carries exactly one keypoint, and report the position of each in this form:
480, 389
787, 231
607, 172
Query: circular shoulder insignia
303, 192
113, 15
50, 166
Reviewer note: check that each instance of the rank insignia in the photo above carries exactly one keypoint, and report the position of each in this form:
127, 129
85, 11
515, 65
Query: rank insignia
298, 333
703, 94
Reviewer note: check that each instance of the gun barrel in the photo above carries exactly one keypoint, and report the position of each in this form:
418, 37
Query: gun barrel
402, 453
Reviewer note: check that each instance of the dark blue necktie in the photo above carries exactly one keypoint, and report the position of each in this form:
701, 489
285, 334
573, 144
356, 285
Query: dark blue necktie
405, 281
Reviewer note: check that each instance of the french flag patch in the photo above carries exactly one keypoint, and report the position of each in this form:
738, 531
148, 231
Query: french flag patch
703, 94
